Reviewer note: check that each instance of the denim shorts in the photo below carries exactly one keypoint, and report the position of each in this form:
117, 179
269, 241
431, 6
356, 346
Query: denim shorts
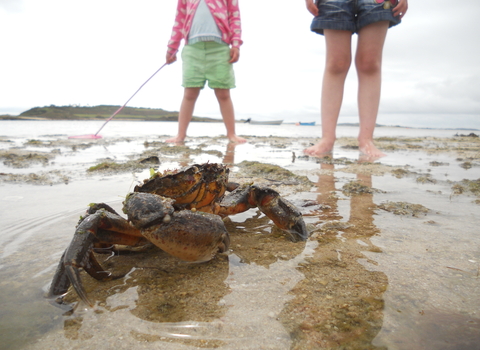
207, 61
351, 15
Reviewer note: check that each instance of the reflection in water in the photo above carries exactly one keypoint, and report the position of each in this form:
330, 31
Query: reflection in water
229, 158
339, 303
327, 196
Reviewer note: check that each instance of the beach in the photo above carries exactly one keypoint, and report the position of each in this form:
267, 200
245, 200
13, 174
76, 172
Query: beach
392, 260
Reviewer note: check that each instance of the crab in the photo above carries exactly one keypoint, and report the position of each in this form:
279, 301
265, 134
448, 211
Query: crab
181, 213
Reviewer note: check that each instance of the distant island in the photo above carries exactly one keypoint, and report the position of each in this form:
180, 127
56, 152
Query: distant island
99, 113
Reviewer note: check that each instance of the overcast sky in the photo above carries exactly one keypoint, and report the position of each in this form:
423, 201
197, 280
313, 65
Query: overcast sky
91, 52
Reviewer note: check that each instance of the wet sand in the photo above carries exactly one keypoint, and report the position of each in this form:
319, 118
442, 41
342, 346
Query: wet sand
393, 260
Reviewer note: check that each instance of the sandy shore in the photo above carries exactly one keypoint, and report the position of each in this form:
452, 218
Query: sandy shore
393, 259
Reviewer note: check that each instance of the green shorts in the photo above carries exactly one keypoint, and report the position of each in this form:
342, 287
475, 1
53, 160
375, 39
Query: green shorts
207, 60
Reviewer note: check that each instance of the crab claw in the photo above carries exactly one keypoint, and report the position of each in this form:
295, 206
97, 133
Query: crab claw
60, 282
92, 229
283, 213
78, 255
73, 274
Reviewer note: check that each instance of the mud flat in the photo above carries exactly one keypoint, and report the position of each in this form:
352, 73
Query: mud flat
393, 259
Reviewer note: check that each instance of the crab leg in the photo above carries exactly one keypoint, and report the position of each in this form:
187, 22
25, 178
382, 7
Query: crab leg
283, 213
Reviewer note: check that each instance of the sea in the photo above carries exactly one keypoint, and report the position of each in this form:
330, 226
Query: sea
400, 126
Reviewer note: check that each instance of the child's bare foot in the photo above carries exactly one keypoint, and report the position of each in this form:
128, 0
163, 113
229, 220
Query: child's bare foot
237, 139
176, 139
322, 148
369, 149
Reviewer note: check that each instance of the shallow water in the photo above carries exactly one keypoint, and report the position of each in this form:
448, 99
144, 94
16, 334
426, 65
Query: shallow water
366, 279
114, 128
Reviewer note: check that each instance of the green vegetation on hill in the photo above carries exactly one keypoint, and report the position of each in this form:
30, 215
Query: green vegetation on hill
98, 112
101, 112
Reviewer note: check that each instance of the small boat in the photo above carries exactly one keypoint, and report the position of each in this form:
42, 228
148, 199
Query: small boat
264, 122
306, 123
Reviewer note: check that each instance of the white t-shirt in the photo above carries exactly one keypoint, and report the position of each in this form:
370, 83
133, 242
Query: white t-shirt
204, 27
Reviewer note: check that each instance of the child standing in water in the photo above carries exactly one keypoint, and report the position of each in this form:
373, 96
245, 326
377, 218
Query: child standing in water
337, 20
212, 33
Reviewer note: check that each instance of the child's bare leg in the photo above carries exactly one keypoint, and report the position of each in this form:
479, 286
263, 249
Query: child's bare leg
190, 96
228, 114
338, 59
368, 61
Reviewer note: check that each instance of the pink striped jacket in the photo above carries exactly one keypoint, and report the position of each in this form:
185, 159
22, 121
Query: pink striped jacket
225, 12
